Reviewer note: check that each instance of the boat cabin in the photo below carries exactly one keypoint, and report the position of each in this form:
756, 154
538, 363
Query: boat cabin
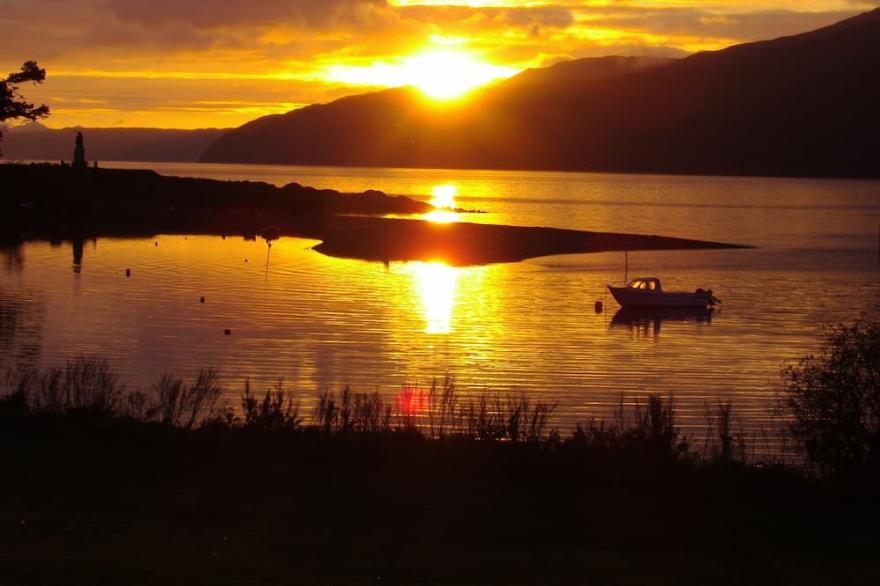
646, 284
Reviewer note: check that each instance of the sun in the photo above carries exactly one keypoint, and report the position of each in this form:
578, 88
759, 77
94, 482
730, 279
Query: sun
447, 74
444, 195
444, 201
442, 74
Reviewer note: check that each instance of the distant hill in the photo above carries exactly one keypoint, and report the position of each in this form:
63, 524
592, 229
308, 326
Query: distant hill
804, 105
36, 142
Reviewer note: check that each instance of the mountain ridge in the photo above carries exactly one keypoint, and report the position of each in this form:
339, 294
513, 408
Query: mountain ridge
800, 105
588, 68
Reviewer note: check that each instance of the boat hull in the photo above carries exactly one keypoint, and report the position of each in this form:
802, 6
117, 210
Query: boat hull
630, 298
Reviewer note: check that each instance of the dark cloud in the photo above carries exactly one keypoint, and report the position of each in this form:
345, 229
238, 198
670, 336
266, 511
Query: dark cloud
221, 13
169, 37
116, 30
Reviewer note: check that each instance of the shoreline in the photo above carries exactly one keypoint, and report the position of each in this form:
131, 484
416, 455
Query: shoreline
46, 202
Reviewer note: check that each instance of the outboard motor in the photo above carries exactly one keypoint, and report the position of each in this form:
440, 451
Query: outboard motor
712, 299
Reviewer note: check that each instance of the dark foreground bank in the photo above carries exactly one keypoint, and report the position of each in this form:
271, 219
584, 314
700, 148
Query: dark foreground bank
103, 503
54, 202
107, 486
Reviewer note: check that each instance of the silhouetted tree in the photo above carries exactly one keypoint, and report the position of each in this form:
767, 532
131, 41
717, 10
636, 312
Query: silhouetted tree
12, 105
834, 399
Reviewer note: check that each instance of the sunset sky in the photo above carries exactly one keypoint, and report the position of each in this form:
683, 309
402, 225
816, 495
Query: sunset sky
195, 63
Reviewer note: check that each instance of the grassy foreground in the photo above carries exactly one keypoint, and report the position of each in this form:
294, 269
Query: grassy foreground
107, 486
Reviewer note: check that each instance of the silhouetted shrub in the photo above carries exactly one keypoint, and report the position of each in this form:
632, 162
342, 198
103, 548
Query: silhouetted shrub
17, 386
277, 411
652, 428
180, 405
86, 385
516, 418
370, 414
723, 444
655, 424
833, 399
356, 412
326, 414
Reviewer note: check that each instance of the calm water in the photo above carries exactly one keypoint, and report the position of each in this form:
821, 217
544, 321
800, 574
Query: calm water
322, 323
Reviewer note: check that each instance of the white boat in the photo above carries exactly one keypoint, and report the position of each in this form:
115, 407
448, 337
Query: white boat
648, 293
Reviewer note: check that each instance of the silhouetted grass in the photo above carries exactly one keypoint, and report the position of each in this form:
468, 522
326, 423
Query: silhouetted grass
427, 486
88, 387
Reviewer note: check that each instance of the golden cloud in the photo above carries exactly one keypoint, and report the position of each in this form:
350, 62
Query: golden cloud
191, 63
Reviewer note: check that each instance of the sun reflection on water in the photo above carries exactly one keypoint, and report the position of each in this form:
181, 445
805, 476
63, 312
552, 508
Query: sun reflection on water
444, 201
437, 284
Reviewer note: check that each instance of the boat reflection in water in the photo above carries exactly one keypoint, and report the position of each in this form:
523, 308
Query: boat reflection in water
647, 322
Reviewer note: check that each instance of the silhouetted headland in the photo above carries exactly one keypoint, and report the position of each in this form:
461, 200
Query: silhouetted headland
464, 243
56, 202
